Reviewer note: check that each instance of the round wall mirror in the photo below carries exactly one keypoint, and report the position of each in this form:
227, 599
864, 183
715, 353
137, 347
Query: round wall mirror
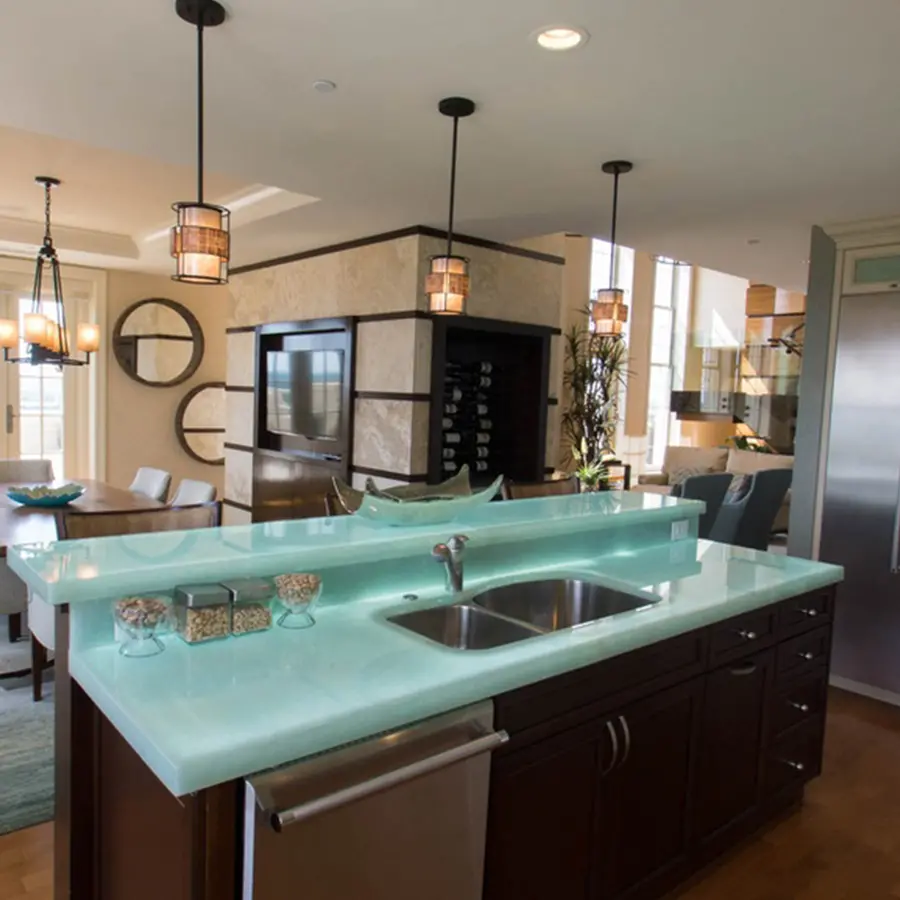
200, 423
158, 342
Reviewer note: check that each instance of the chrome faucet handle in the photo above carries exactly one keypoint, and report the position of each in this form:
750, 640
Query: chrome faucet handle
457, 543
441, 552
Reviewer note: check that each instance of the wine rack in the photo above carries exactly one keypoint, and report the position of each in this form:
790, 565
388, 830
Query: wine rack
488, 399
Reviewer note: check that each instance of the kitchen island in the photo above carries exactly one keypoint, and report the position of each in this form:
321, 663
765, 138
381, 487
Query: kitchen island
655, 736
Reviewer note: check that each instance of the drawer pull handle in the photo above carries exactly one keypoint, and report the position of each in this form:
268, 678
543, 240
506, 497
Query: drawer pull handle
614, 744
749, 669
796, 766
808, 655
800, 707
812, 613
748, 635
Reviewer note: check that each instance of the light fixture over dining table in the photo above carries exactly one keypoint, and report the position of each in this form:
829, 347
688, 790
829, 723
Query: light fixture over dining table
45, 328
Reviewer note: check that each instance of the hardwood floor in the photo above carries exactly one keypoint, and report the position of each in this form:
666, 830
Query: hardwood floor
843, 845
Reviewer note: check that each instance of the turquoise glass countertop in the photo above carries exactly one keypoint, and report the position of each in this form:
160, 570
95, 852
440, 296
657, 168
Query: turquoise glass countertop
77, 571
202, 715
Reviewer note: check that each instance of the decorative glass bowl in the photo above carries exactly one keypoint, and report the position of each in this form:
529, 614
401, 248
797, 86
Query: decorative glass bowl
428, 510
45, 495
298, 593
140, 621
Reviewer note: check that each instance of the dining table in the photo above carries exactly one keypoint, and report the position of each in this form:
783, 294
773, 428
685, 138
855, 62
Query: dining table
37, 524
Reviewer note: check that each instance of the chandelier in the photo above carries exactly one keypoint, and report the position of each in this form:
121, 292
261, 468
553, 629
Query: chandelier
608, 308
45, 328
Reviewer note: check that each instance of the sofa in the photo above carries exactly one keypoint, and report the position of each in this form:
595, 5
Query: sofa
682, 462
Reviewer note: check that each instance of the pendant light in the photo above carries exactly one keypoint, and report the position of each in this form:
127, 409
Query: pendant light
47, 335
201, 238
608, 309
447, 284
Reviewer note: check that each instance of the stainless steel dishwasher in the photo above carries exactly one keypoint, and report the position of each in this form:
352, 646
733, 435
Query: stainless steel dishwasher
401, 816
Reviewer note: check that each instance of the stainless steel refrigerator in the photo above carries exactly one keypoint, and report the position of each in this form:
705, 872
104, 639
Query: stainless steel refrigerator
861, 512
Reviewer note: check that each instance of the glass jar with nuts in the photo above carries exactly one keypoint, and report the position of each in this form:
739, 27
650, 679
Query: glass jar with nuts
251, 604
202, 612
298, 593
140, 620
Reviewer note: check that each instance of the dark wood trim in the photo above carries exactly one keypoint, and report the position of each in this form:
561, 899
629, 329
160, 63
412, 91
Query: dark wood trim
397, 476
190, 430
553, 401
391, 395
305, 326
235, 505
478, 323
239, 389
324, 251
485, 244
391, 316
243, 448
775, 315
162, 337
421, 230
240, 329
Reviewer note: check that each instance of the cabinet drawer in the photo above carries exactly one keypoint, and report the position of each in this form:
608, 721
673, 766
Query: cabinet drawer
802, 701
805, 612
794, 758
800, 654
742, 635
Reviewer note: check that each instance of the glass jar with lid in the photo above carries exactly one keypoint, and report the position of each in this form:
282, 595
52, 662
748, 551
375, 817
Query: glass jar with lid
251, 604
202, 612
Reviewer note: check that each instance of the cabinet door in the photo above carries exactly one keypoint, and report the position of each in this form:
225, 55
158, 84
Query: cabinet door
641, 831
728, 770
540, 817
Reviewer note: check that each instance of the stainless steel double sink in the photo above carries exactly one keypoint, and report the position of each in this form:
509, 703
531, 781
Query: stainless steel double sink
516, 612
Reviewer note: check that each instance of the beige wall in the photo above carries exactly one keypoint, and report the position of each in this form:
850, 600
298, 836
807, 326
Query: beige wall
141, 420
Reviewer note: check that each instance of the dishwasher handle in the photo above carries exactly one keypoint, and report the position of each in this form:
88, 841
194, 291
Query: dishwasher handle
280, 819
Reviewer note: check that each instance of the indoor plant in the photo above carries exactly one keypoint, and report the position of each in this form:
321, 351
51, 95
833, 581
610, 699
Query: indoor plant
594, 372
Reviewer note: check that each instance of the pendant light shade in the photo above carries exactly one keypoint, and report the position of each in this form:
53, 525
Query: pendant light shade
201, 239
447, 282
609, 311
46, 334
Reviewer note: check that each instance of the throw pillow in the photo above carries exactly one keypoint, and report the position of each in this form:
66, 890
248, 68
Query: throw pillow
677, 476
738, 489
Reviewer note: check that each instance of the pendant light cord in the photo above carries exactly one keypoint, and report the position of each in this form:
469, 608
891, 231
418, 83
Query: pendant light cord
200, 104
48, 240
612, 237
452, 186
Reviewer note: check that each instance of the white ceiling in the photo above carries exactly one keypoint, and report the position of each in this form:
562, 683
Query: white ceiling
746, 121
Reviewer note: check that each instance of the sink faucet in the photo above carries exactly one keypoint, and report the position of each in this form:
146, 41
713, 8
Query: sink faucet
451, 555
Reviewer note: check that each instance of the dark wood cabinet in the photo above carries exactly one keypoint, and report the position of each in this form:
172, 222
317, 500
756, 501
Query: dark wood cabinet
641, 813
625, 777
540, 830
731, 741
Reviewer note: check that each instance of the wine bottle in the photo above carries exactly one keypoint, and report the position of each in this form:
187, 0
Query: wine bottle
481, 409
481, 466
451, 409
449, 466
482, 452
448, 453
485, 424
452, 437
446, 423
482, 437
452, 393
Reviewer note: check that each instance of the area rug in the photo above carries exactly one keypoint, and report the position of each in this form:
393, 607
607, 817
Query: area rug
26, 756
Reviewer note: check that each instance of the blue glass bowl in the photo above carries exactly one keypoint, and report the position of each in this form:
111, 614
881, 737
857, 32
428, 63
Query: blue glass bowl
26, 497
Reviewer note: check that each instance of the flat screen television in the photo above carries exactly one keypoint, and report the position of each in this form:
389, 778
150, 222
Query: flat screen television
304, 393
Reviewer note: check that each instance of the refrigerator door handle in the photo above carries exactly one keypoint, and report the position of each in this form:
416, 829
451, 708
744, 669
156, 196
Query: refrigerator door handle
895, 537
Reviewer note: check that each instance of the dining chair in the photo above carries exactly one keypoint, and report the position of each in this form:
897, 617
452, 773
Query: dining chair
748, 521
711, 489
526, 490
73, 524
190, 492
25, 470
152, 483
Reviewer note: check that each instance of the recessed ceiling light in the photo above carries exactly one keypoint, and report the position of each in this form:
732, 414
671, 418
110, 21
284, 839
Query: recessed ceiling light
561, 37
754, 241
323, 86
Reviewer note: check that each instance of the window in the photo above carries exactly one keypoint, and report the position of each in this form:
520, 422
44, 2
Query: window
668, 347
